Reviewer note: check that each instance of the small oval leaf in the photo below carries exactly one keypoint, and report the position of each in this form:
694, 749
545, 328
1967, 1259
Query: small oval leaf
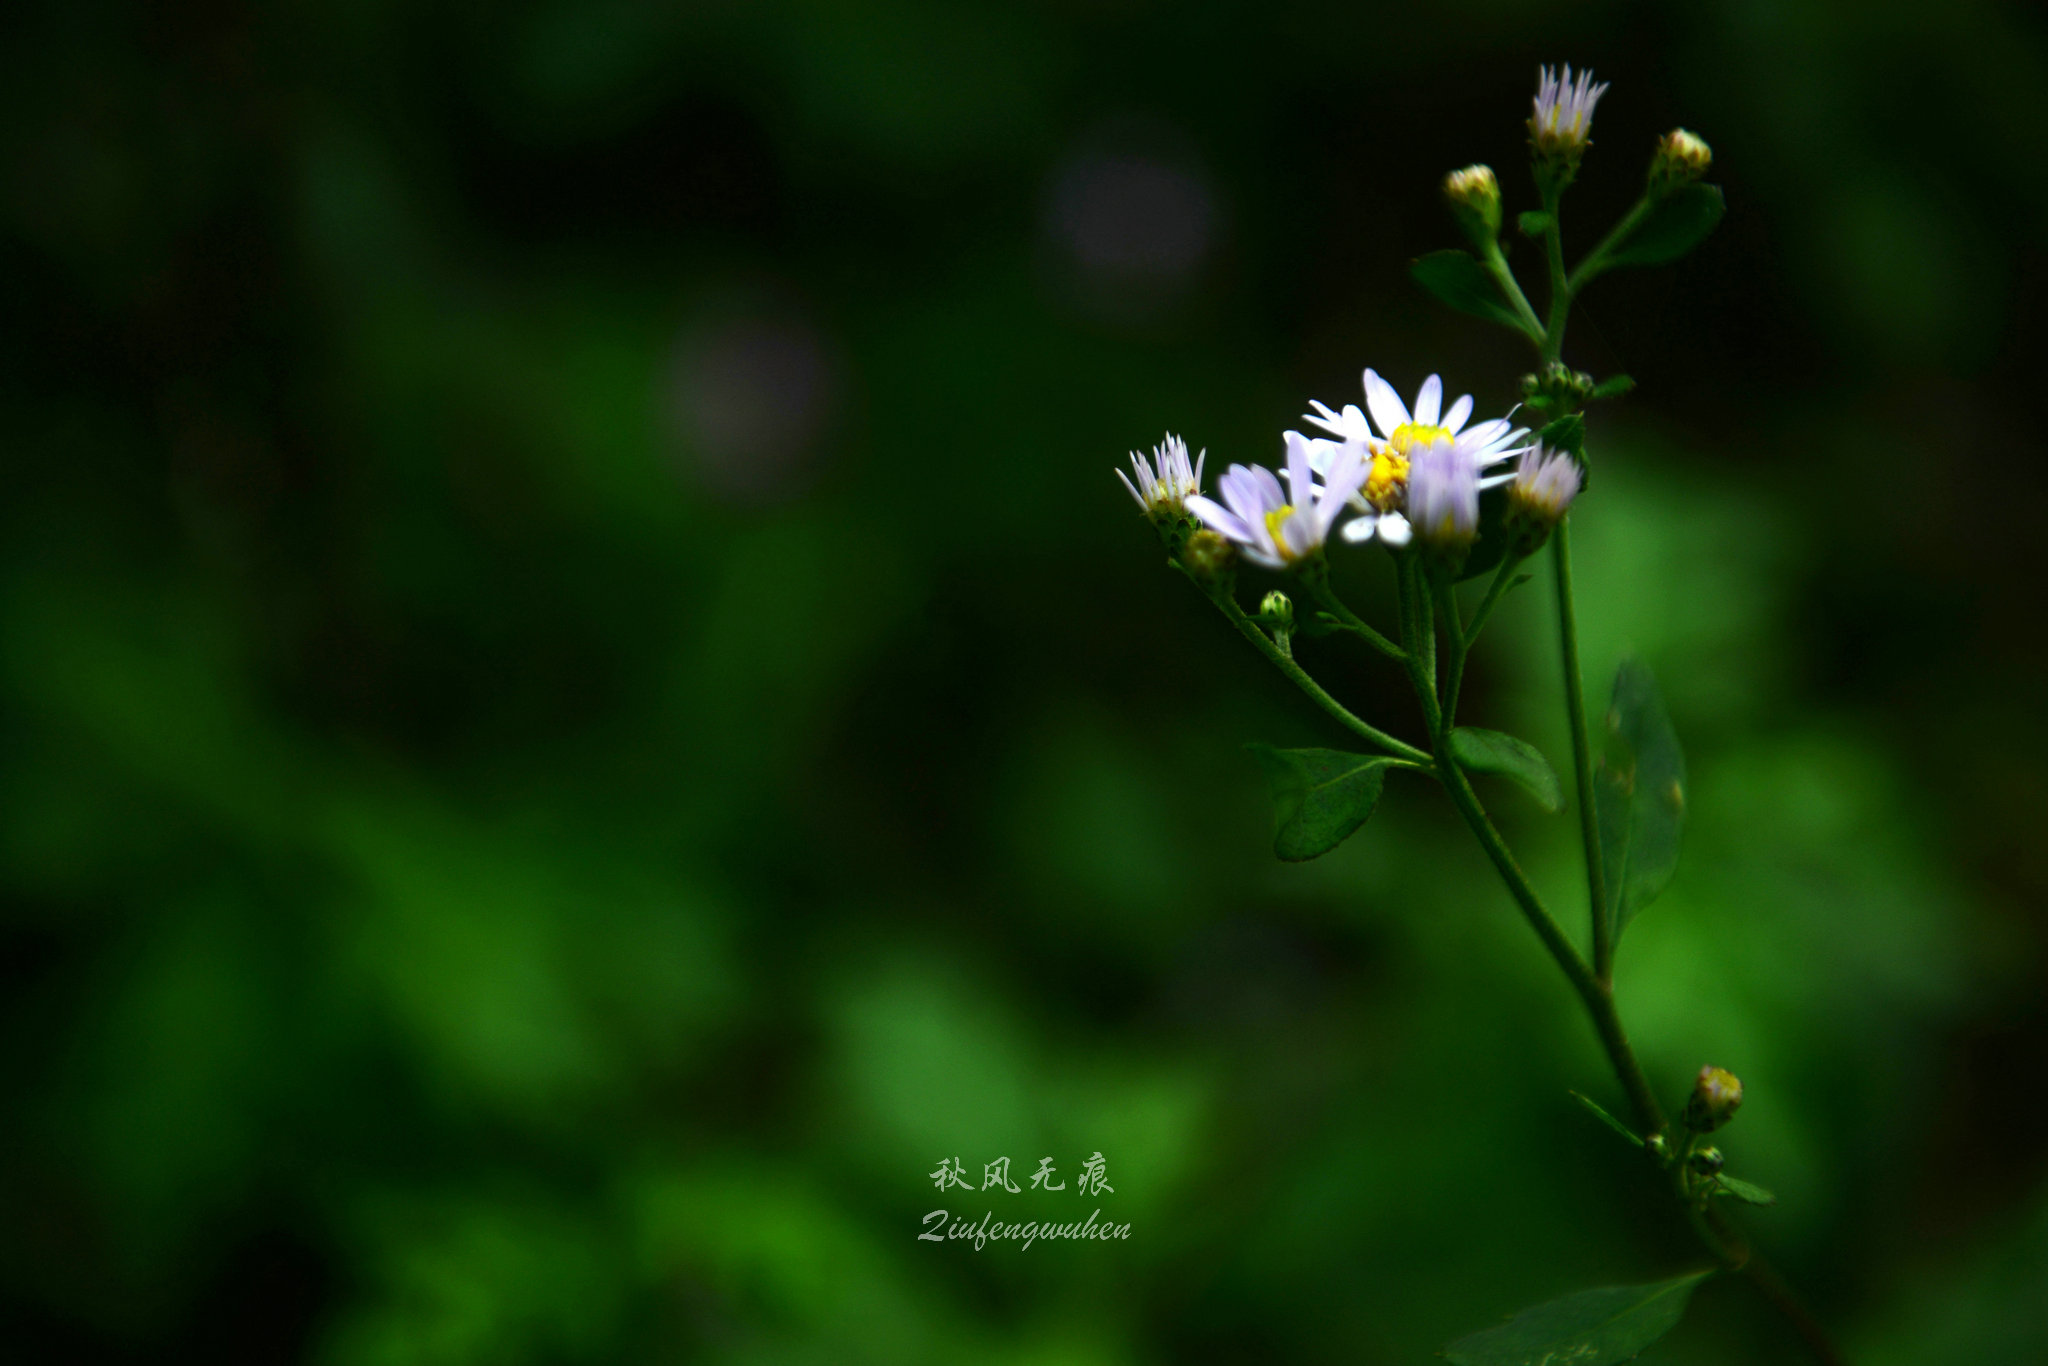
1592, 1328
1747, 1192
1639, 796
1673, 228
1457, 278
1319, 796
1489, 751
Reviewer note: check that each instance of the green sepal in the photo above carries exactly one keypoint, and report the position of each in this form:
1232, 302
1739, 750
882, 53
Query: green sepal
1567, 434
1671, 229
1533, 222
1493, 540
1457, 278
1614, 386
1592, 1328
1609, 1120
1639, 796
1747, 1192
1319, 796
1490, 751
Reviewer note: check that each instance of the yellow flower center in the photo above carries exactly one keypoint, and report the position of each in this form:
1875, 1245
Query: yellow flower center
1388, 478
1409, 435
1273, 521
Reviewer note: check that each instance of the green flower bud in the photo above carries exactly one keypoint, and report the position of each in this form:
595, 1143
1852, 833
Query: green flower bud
1706, 1162
1680, 159
1716, 1094
1276, 609
1209, 558
1474, 195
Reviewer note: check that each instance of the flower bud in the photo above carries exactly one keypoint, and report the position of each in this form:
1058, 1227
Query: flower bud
1680, 159
1208, 557
1474, 195
1545, 483
1276, 609
1706, 1161
1716, 1094
1561, 125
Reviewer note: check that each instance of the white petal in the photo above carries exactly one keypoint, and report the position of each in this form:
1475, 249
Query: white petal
1429, 402
1323, 417
1492, 481
1134, 491
1386, 406
1394, 529
1454, 420
1359, 529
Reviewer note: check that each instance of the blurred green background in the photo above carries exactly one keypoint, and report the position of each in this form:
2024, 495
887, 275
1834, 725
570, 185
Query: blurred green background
581, 704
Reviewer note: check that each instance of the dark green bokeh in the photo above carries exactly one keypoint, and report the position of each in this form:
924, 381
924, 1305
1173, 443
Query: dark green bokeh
581, 705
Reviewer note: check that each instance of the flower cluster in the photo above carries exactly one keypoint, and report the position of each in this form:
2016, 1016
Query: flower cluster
1403, 474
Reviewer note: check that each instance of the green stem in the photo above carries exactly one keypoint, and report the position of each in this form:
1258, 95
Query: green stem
1418, 636
1494, 592
1497, 266
1455, 637
1299, 675
1318, 581
1596, 260
1596, 994
1552, 345
1582, 753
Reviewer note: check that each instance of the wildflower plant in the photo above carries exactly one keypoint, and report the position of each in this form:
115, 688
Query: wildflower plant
1450, 500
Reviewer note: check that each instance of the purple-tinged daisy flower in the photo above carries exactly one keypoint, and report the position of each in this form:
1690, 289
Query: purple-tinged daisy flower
1563, 121
1273, 529
1443, 497
1544, 485
1166, 481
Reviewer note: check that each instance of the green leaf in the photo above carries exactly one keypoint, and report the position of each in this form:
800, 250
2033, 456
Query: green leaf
1609, 1120
1489, 751
1614, 386
1457, 278
1591, 1328
1319, 796
1568, 433
1639, 796
1533, 222
1747, 1192
1672, 229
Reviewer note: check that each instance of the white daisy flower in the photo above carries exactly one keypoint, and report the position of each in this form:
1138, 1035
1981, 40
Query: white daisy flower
1563, 121
1544, 485
1166, 481
1272, 531
1393, 437
1443, 497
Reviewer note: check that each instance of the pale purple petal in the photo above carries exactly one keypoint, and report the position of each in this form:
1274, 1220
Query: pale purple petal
1454, 420
1218, 519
